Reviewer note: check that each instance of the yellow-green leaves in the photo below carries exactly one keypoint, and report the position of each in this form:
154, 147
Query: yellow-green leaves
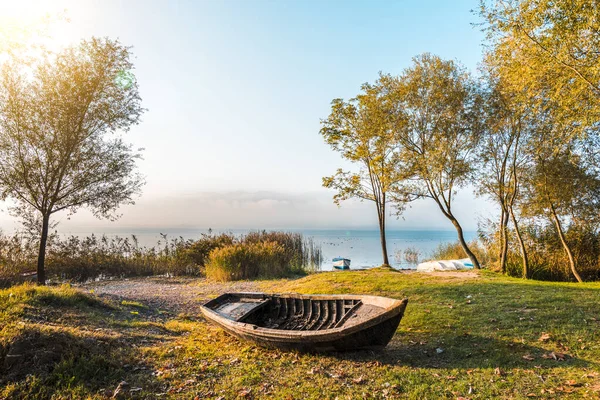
366, 131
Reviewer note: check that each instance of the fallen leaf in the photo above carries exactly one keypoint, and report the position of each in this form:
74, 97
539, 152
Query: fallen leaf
120, 387
554, 356
545, 337
528, 357
358, 380
499, 372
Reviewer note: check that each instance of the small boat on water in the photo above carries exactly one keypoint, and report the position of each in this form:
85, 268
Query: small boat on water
307, 322
341, 263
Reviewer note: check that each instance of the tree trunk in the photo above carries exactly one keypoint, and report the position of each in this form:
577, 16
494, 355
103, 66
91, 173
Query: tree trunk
463, 243
503, 240
41, 272
382, 235
561, 235
521, 245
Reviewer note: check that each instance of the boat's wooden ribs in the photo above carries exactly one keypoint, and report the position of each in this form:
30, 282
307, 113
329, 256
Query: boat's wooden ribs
289, 313
349, 311
307, 322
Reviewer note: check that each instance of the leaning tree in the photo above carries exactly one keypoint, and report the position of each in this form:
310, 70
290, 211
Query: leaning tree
60, 115
443, 106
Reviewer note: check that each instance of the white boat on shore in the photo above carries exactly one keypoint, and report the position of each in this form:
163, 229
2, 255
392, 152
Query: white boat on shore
445, 265
341, 263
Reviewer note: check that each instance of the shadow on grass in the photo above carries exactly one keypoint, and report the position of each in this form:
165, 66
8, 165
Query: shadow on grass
493, 324
477, 352
40, 362
77, 346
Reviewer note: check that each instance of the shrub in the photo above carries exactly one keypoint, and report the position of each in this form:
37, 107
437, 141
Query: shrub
198, 251
247, 261
300, 254
80, 259
454, 251
448, 251
546, 254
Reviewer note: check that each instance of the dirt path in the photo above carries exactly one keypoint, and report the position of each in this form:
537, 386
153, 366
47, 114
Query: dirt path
173, 295
184, 295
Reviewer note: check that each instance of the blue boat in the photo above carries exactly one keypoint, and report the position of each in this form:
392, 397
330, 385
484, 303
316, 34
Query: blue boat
341, 263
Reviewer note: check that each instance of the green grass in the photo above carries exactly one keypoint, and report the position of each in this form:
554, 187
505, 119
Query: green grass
462, 336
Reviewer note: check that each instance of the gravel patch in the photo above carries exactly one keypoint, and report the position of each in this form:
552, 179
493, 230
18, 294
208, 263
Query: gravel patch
170, 295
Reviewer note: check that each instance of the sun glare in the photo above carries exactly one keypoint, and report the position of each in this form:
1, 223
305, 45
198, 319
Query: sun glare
25, 21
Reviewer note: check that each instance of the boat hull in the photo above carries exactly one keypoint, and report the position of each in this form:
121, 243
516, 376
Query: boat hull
367, 332
341, 267
341, 263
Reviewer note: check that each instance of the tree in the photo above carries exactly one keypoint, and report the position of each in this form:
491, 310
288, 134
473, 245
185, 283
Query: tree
56, 116
550, 44
442, 105
562, 188
547, 52
365, 130
502, 157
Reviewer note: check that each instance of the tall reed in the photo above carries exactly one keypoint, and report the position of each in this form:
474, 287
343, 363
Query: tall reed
264, 255
75, 258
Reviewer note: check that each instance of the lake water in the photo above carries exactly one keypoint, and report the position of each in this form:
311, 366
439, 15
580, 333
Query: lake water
361, 246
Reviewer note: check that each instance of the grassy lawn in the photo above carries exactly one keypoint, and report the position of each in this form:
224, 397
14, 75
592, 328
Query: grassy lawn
463, 336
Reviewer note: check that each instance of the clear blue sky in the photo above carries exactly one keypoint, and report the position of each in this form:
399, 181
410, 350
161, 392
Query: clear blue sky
235, 91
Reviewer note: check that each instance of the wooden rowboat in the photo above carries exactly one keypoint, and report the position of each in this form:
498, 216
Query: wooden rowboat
307, 322
341, 263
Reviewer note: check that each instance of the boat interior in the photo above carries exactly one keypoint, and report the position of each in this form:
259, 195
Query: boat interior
289, 313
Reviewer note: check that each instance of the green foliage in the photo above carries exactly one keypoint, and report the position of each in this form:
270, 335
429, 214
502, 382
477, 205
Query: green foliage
265, 255
544, 57
57, 112
246, 261
448, 251
546, 253
442, 105
199, 250
550, 47
366, 131
300, 253
497, 335
79, 259
455, 251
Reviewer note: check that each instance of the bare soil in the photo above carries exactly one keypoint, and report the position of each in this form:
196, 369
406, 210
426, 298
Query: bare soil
185, 295
173, 295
